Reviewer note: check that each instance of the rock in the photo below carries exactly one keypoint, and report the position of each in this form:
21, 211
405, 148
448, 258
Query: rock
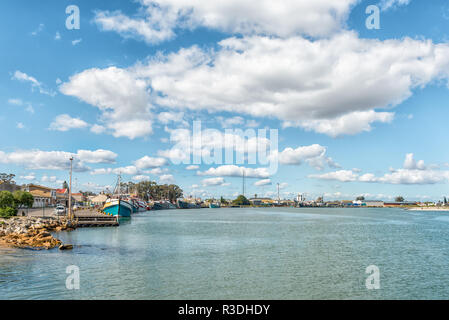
66, 247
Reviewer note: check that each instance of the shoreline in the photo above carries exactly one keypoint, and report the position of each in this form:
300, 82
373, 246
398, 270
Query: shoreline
32, 232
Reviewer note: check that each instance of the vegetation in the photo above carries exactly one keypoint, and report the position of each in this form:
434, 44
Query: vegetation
361, 198
223, 201
7, 212
150, 190
241, 201
23, 199
399, 199
10, 202
65, 185
7, 178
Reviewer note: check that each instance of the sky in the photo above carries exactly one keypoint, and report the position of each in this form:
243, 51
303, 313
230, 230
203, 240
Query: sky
350, 107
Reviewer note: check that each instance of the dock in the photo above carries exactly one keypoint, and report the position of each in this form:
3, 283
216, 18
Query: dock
90, 218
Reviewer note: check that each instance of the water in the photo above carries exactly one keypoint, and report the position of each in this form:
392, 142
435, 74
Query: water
243, 254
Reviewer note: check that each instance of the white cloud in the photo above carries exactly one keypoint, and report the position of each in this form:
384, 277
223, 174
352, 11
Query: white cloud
329, 85
348, 124
76, 42
122, 98
29, 177
55, 160
23, 77
236, 171
389, 4
64, 123
192, 167
51, 179
263, 182
341, 175
20, 125
167, 179
230, 122
314, 155
149, 162
97, 129
97, 156
167, 117
220, 181
58, 36
412, 173
411, 164
159, 18
140, 178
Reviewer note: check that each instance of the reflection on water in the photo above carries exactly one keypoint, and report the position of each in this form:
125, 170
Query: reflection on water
242, 254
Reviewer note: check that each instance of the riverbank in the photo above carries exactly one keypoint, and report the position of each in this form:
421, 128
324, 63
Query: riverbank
32, 232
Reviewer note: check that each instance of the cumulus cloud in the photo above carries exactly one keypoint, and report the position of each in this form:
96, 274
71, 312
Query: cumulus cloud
236, 171
122, 98
412, 173
411, 164
219, 181
159, 18
150, 162
64, 123
167, 179
330, 85
56, 160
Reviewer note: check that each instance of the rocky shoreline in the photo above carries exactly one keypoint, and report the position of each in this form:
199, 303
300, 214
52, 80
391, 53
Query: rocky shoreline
33, 232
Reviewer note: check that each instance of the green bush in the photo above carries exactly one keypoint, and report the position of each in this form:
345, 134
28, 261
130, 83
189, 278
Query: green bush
6, 199
7, 212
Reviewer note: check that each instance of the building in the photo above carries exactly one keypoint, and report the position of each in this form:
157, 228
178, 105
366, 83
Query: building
261, 201
43, 196
78, 199
374, 203
62, 197
400, 204
98, 200
369, 203
301, 197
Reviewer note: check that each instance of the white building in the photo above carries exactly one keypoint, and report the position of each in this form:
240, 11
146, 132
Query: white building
301, 197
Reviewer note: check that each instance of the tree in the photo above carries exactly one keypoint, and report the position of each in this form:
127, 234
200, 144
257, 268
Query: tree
7, 178
6, 200
399, 199
65, 185
23, 199
223, 201
360, 198
241, 201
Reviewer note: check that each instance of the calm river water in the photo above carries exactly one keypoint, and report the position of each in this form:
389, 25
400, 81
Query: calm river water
243, 254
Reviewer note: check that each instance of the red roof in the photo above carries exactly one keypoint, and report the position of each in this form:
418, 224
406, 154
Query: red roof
61, 190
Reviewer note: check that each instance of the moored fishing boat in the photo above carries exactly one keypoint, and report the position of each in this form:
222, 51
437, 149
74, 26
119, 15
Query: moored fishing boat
214, 205
116, 206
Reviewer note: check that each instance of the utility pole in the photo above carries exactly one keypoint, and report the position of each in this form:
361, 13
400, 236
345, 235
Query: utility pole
70, 190
243, 187
279, 198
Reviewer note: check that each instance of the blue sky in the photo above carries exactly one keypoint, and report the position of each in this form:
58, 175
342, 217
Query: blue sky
359, 111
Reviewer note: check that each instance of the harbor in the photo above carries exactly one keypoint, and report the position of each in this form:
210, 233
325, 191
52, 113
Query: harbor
242, 253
